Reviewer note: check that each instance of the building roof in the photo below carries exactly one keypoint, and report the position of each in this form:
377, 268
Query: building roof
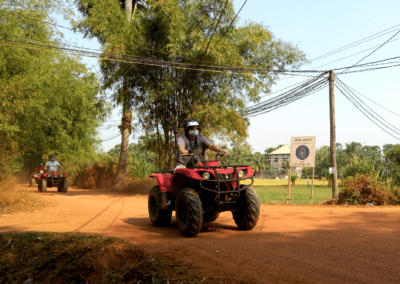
285, 149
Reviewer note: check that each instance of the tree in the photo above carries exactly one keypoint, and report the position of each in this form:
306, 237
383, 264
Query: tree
322, 160
353, 152
393, 156
49, 101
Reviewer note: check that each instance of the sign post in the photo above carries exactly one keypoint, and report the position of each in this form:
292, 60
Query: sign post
302, 154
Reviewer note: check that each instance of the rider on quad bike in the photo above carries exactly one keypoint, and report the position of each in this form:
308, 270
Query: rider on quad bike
198, 190
192, 141
52, 178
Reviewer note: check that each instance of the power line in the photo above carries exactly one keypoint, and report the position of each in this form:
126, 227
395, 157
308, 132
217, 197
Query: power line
370, 99
373, 51
153, 62
230, 24
355, 43
352, 55
367, 111
110, 138
309, 87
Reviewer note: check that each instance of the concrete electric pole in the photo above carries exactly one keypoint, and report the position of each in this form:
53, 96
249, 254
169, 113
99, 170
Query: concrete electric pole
331, 79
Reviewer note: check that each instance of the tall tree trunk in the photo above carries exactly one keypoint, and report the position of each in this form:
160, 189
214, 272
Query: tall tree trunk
126, 121
126, 129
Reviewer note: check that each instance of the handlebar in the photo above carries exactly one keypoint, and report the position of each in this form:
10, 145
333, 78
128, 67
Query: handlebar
219, 154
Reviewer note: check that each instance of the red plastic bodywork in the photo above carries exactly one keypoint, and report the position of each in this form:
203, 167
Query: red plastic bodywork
165, 179
55, 173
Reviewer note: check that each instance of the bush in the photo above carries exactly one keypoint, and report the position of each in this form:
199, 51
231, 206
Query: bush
9, 193
293, 178
100, 174
362, 167
362, 189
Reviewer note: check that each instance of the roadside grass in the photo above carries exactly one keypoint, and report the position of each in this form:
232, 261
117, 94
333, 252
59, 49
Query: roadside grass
270, 182
80, 258
299, 194
15, 198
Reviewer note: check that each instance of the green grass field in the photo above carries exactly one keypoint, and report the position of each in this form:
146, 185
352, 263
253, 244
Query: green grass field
275, 191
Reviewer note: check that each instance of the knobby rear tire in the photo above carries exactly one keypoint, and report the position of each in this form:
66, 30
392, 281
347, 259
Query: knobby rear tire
189, 212
247, 212
159, 217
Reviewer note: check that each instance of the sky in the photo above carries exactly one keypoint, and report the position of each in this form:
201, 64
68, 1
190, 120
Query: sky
316, 28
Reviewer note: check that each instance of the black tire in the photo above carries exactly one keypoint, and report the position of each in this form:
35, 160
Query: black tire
159, 217
44, 185
63, 186
247, 212
210, 216
189, 212
39, 185
32, 182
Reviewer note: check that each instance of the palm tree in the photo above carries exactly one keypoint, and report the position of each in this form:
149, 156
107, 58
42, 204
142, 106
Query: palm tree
352, 152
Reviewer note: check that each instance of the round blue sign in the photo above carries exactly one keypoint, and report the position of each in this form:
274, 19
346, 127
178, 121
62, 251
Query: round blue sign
302, 152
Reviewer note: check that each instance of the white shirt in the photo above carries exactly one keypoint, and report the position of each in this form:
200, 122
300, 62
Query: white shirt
52, 166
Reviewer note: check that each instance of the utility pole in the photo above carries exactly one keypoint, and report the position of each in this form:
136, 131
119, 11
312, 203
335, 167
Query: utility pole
331, 79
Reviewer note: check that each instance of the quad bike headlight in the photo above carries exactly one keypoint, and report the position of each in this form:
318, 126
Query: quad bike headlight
206, 175
241, 174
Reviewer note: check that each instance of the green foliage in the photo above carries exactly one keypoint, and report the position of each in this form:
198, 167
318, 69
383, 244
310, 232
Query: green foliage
293, 178
392, 154
322, 161
306, 172
362, 189
361, 167
48, 101
141, 158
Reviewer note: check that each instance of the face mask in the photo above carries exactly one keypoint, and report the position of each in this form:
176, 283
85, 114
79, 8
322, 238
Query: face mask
193, 133
52, 159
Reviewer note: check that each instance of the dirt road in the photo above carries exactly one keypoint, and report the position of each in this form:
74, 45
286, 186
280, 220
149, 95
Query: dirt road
290, 244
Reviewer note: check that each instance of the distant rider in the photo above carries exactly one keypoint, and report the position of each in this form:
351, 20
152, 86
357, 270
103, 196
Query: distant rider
53, 165
193, 141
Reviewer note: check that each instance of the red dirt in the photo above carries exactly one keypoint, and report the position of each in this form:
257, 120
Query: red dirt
290, 244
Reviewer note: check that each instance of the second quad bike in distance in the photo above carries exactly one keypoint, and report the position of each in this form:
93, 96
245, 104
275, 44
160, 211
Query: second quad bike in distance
53, 179
199, 193
35, 177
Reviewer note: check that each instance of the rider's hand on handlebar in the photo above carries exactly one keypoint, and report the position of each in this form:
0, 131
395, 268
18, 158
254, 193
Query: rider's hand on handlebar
224, 153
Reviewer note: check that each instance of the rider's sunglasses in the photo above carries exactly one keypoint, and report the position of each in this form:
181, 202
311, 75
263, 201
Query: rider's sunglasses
193, 127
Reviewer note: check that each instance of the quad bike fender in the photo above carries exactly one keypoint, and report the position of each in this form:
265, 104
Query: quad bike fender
164, 181
190, 173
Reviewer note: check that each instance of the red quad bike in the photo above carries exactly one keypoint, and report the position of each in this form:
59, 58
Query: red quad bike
35, 177
53, 179
200, 192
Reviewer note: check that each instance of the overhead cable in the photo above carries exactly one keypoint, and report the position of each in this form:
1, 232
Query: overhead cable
367, 111
230, 25
296, 93
152, 62
372, 51
370, 99
354, 54
371, 37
